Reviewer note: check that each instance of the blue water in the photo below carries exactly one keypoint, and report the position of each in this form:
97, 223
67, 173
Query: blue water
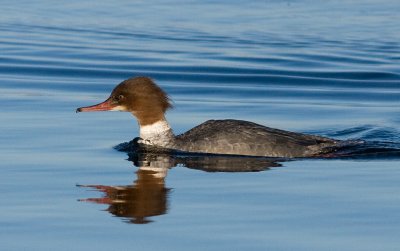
331, 68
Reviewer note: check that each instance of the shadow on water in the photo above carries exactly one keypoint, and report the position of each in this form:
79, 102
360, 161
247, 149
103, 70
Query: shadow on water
148, 195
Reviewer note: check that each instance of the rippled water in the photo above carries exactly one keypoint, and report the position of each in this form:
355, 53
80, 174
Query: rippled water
327, 68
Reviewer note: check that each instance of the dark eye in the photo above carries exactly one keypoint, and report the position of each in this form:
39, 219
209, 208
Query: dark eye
118, 98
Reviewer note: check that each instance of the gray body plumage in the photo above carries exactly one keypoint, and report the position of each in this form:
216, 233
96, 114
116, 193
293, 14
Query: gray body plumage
246, 138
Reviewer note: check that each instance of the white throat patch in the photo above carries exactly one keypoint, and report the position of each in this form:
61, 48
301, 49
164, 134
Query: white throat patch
119, 108
158, 133
158, 127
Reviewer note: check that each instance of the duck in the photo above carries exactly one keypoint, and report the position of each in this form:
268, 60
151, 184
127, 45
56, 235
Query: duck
148, 103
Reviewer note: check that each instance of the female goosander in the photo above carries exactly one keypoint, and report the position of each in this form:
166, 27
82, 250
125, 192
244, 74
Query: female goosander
148, 103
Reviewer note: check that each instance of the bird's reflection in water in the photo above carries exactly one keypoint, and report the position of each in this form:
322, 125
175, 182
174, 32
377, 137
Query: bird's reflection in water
148, 195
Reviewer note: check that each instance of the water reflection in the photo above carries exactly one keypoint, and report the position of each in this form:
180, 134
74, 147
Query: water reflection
148, 195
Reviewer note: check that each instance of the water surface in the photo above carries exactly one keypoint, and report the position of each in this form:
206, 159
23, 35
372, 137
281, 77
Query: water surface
326, 68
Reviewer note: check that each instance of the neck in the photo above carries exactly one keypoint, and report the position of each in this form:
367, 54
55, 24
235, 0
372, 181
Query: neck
158, 133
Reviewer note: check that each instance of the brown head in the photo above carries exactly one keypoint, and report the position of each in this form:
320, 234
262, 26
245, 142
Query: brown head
140, 96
